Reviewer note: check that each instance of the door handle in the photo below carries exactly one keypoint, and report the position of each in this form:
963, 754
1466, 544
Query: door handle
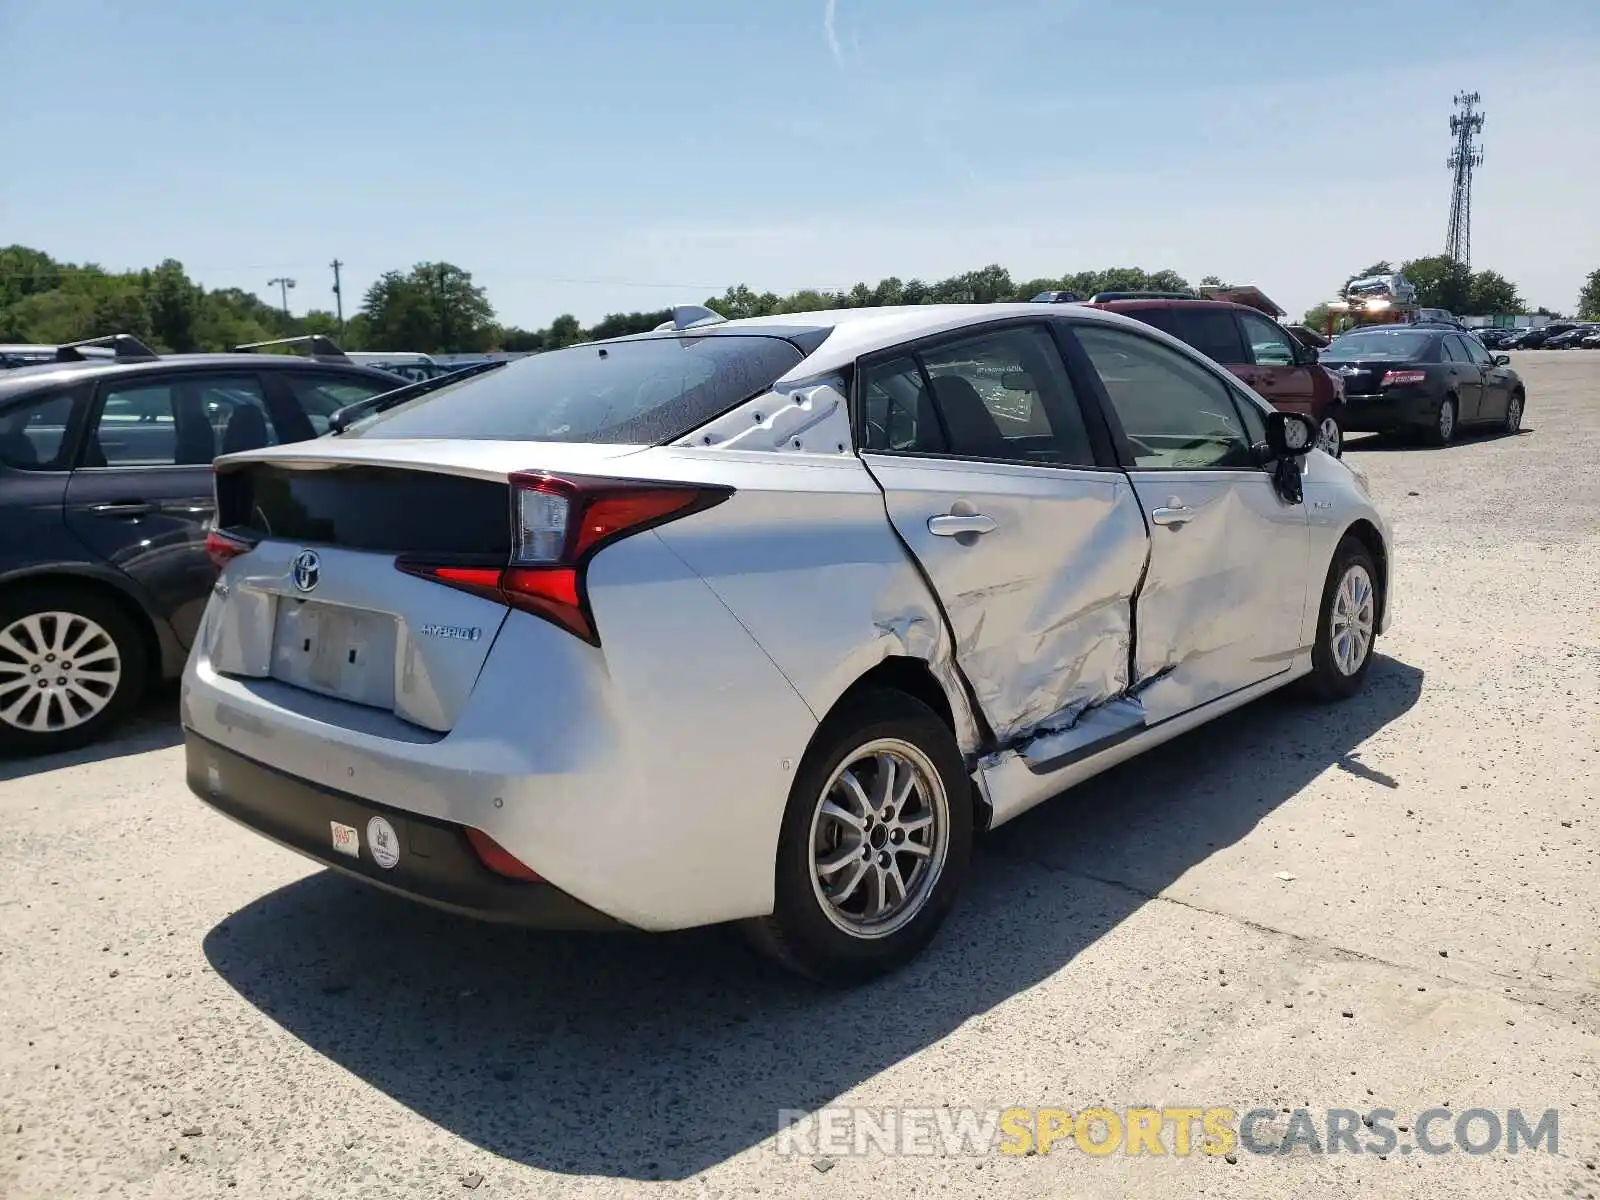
123, 508
1180, 514
955, 524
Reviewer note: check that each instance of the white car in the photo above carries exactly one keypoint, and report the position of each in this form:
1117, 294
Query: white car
760, 620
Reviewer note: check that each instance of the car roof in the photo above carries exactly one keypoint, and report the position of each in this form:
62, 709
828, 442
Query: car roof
835, 338
1160, 302
20, 379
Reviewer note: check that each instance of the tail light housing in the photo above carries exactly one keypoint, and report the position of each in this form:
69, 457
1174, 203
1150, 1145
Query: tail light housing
223, 548
558, 524
1400, 378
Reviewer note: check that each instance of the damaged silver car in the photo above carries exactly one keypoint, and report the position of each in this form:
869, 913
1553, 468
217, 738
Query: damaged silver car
761, 620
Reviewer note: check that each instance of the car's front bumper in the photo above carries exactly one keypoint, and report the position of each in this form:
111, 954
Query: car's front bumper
436, 863
1392, 408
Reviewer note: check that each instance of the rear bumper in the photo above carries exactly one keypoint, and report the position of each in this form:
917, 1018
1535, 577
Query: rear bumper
436, 864
1394, 408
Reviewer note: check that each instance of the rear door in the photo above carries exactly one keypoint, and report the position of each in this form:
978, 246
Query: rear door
37, 433
141, 495
1466, 377
1223, 599
1029, 534
1496, 381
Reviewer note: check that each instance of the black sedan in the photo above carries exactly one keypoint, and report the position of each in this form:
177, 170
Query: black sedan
1426, 381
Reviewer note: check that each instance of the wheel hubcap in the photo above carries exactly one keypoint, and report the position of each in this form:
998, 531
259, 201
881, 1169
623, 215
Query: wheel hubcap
1330, 436
57, 670
1350, 629
879, 838
1447, 419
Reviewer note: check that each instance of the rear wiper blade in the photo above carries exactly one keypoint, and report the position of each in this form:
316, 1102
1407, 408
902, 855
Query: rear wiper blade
383, 401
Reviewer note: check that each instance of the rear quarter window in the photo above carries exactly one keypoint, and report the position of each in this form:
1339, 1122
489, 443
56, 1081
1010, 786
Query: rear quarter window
33, 431
634, 392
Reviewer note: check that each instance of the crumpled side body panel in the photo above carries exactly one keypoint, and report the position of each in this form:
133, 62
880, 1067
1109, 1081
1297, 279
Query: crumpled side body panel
1040, 605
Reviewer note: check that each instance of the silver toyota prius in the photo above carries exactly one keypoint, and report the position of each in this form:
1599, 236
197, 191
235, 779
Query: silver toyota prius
759, 621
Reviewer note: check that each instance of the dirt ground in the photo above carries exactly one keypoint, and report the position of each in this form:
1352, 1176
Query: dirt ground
1392, 903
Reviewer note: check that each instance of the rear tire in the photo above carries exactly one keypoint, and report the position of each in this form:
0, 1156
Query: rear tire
72, 663
1347, 624
870, 857
1443, 430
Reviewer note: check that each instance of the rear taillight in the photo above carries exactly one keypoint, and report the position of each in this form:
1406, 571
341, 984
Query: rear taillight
557, 526
500, 860
1399, 378
222, 548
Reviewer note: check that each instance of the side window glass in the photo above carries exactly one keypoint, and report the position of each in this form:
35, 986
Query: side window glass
1454, 351
1006, 395
1255, 421
1476, 352
33, 433
1175, 413
237, 410
1268, 342
898, 414
1211, 331
320, 396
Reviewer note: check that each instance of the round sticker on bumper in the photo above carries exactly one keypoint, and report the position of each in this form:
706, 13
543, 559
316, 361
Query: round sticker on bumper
383, 842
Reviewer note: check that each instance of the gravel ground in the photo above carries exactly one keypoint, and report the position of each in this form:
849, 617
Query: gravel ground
187, 1010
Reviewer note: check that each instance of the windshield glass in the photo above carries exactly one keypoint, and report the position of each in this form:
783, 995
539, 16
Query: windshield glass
1378, 343
638, 393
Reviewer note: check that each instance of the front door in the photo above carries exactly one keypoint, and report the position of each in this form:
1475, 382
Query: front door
1222, 603
1032, 540
1496, 381
141, 496
1281, 377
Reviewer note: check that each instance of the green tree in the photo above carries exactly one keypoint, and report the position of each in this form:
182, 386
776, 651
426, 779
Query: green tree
436, 307
1589, 297
563, 331
174, 304
1441, 282
1493, 293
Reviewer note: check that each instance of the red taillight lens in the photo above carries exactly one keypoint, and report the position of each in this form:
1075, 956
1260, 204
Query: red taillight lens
222, 549
500, 860
1398, 378
558, 524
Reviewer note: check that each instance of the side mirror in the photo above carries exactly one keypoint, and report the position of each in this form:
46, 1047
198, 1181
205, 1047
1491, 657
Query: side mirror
1502, 360
1290, 434
1309, 356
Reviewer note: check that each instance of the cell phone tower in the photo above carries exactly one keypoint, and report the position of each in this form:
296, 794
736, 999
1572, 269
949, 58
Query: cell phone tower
1467, 155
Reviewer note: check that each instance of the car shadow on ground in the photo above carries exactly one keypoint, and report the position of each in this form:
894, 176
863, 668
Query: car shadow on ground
1385, 442
152, 726
655, 1057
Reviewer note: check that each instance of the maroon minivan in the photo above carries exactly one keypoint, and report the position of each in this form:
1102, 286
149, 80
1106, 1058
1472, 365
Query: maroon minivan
1281, 369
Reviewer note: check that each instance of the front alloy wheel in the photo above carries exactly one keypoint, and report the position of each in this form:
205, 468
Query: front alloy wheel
70, 664
1347, 623
1330, 437
874, 843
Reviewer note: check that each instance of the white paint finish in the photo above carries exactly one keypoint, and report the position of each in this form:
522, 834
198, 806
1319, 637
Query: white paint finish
1040, 606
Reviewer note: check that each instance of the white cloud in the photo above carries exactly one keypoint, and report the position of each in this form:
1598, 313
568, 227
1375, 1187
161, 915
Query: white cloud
830, 12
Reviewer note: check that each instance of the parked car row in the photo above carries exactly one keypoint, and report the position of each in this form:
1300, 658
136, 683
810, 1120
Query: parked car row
1557, 335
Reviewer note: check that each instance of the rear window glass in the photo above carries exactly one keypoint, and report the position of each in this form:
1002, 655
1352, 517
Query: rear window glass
1211, 331
1400, 344
636, 393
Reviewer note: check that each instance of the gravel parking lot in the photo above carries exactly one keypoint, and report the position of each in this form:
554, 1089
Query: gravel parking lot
1390, 903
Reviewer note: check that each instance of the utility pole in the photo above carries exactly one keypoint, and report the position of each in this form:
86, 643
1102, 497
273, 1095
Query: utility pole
338, 295
283, 285
1464, 127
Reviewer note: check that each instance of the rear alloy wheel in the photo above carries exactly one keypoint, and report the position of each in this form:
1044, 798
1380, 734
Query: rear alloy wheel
1513, 423
70, 665
1443, 430
874, 843
1330, 436
1347, 624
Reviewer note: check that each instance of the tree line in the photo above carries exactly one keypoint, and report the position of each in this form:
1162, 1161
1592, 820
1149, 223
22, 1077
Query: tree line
435, 307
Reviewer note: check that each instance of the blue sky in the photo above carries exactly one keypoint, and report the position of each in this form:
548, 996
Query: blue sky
622, 154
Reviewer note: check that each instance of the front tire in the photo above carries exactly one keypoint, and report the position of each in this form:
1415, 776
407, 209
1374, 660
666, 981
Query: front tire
874, 844
1514, 407
1347, 624
71, 665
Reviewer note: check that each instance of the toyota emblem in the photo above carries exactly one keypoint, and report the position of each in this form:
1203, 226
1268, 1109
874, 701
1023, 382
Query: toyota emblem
307, 570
